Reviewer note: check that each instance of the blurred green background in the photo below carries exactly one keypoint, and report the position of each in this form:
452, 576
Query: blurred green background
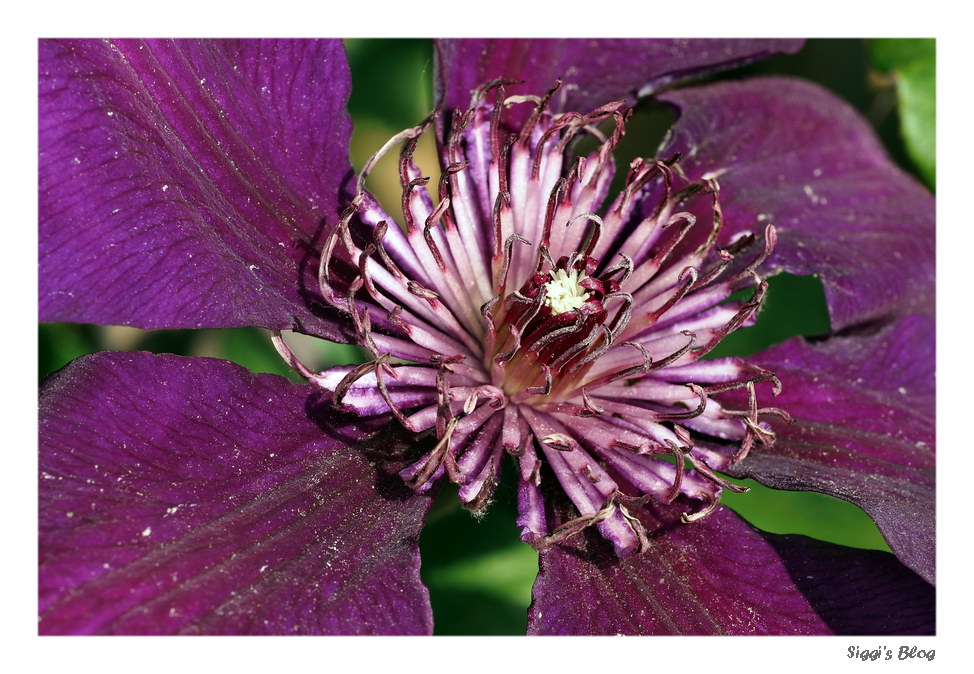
478, 573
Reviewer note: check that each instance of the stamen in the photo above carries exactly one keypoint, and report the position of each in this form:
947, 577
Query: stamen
594, 233
503, 199
675, 416
290, 358
406, 135
626, 267
704, 469
559, 441
380, 232
718, 216
590, 408
435, 458
680, 463
688, 518
508, 245
407, 211
646, 365
431, 222
546, 388
554, 200
418, 290
572, 527
685, 282
676, 355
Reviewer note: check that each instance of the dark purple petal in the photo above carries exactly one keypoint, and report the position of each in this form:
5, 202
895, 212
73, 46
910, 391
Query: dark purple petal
593, 72
186, 495
185, 184
721, 576
857, 591
864, 431
789, 153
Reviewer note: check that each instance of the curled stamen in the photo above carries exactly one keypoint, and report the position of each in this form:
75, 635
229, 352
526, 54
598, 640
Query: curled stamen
492, 394
770, 241
503, 199
622, 317
725, 261
554, 200
546, 388
544, 257
590, 409
762, 375
431, 222
773, 411
676, 355
685, 282
507, 355
550, 337
435, 457
349, 379
718, 216
626, 267
407, 192
680, 463
704, 469
603, 346
690, 414
688, 518
363, 260
578, 348
446, 179
593, 235
535, 117
508, 246
380, 232
419, 290
502, 176
687, 221
290, 358
384, 392
637, 528
559, 441
400, 137
572, 527
642, 368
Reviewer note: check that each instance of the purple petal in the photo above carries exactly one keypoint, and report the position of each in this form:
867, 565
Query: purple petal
720, 576
857, 591
864, 431
593, 72
185, 184
789, 153
184, 495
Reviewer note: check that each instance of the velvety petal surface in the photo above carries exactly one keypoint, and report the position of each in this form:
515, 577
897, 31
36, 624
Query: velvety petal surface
864, 430
593, 72
185, 183
787, 152
183, 495
721, 576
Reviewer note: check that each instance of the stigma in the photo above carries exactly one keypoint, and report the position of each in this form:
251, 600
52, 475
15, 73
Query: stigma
564, 291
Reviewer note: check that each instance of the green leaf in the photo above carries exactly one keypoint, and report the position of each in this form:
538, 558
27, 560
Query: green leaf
912, 63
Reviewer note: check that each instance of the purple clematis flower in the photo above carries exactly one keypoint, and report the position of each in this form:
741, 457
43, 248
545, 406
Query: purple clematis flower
519, 309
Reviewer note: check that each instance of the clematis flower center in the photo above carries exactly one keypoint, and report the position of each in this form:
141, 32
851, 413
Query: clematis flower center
564, 292
512, 312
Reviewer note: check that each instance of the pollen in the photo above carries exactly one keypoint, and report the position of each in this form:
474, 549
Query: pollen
564, 291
